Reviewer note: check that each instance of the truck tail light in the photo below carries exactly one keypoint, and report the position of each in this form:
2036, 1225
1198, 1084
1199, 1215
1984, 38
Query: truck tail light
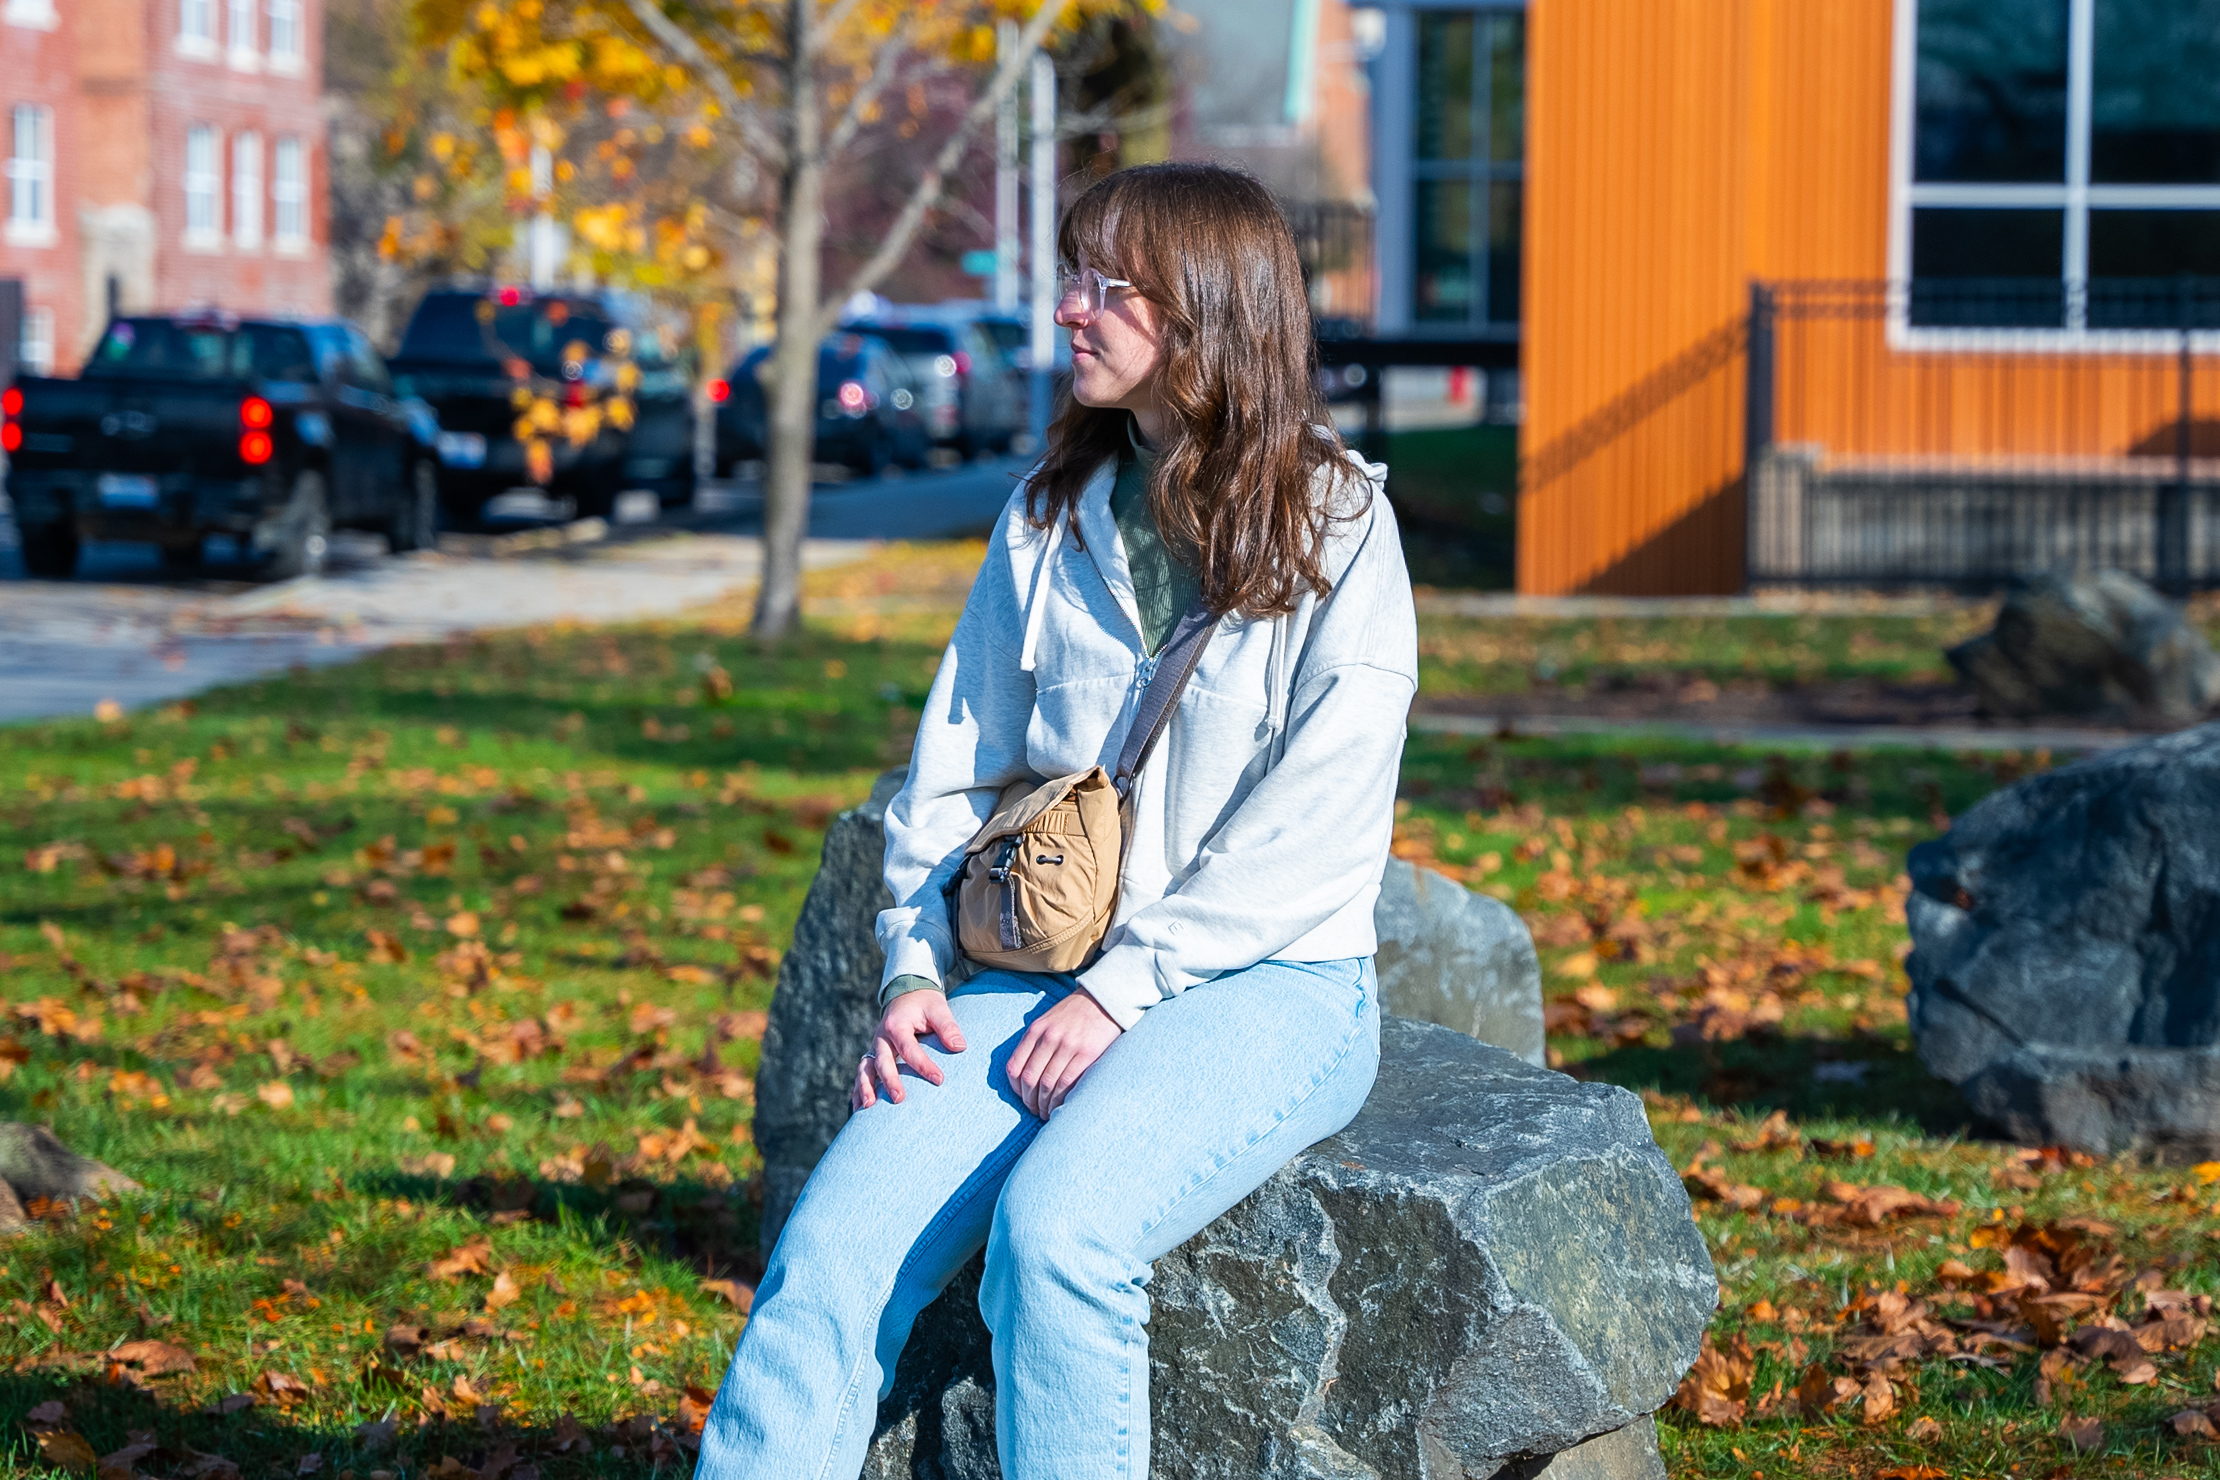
255, 413
852, 397
254, 448
720, 391
11, 430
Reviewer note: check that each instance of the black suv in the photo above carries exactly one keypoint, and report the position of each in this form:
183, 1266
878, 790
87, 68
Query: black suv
560, 391
182, 426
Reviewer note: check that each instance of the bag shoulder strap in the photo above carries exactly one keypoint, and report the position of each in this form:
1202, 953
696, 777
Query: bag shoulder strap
1173, 665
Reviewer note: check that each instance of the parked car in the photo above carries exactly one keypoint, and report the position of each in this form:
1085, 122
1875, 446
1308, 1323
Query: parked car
182, 426
560, 391
971, 397
867, 407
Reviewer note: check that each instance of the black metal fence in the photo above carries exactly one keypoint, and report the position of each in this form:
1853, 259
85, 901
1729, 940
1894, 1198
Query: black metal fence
1334, 240
1968, 433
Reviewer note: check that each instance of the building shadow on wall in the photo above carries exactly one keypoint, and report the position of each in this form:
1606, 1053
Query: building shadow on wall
1644, 496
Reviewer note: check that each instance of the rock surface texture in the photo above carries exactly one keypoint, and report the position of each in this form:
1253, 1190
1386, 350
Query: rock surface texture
2066, 962
2102, 644
1492, 1271
34, 1164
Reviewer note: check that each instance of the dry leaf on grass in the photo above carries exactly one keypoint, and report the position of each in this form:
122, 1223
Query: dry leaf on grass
153, 1358
742, 1297
504, 1292
2082, 1434
1717, 1388
2190, 1423
67, 1448
469, 1258
277, 1094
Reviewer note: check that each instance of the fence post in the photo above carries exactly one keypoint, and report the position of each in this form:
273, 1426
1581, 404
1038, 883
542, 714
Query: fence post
1757, 416
2173, 500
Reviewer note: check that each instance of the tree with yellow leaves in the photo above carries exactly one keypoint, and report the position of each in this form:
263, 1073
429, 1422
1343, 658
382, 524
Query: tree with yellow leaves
792, 86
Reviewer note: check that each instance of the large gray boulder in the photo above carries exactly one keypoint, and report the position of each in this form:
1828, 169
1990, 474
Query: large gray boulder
2066, 963
1492, 1271
2099, 644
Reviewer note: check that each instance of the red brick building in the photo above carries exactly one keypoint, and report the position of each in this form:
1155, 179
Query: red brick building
160, 154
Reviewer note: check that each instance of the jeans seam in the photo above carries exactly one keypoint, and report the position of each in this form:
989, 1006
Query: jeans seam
855, 1375
1318, 1082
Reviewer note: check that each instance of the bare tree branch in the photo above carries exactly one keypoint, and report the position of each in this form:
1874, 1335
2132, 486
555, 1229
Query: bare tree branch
829, 23
676, 41
882, 72
896, 244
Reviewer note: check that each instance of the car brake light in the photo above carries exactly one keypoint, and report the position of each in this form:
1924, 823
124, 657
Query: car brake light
720, 391
576, 396
11, 436
511, 297
254, 448
254, 413
11, 431
852, 395
11, 402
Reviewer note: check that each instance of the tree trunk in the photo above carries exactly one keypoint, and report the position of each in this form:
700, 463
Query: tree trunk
793, 389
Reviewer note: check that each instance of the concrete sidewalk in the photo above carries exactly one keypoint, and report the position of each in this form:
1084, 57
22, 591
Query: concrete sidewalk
65, 647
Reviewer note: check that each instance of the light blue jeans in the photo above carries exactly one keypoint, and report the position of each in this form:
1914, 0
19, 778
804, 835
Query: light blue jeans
1183, 1116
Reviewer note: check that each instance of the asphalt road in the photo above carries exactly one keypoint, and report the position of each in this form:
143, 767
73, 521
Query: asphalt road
128, 631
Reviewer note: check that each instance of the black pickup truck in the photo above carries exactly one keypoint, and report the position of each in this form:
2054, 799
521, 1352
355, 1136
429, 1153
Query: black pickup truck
556, 390
182, 426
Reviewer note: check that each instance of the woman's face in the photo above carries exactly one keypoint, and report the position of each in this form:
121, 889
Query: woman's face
1115, 351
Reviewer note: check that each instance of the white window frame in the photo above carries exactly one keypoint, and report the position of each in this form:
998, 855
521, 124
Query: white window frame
289, 195
34, 344
2076, 196
196, 29
284, 19
34, 15
31, 213
204, 185
247, 184
242, 40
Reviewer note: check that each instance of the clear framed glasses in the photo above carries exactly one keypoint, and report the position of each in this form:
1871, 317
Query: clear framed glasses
1085, 291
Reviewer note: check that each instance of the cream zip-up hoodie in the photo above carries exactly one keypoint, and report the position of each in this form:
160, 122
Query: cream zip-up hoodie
1262, 820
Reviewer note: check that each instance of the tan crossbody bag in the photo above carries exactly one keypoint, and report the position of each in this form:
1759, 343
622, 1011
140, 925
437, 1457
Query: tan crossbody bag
1039, 882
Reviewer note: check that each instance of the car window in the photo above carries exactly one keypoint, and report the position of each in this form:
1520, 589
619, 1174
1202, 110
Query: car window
200, 351
917, 340
364, 366
543, 332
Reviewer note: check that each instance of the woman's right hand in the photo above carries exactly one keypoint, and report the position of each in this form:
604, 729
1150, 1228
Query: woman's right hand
909, 1017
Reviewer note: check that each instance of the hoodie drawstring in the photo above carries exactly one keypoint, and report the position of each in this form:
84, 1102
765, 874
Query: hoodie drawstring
1037, 600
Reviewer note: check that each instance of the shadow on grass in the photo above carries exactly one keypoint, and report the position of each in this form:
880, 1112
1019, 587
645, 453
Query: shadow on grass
1860, 1077
269, 1437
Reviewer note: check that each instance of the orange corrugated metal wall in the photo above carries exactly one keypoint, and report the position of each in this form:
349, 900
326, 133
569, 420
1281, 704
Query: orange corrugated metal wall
1676, 150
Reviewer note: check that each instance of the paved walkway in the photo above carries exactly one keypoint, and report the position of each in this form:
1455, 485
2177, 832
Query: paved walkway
65, 647
1797, 737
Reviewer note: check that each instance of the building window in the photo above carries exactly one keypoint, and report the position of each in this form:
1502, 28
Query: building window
2061, 172
196, 27
203, 184
285, 35
246, 189
1468, 158
31, 176
289, 194
38, 15
34, 347
239, 33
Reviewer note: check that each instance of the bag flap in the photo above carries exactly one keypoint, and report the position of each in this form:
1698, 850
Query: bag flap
1016, 814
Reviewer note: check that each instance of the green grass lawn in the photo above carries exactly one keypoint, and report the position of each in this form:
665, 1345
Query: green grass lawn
424, 996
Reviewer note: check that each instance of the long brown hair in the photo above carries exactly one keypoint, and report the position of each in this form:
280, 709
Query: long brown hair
1233, 491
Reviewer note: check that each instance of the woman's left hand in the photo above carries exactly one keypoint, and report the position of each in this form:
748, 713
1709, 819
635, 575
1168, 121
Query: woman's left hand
1062, 1044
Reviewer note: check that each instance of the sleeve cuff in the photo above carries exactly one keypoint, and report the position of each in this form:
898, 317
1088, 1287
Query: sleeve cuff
903, 985
915, 945
1124, 983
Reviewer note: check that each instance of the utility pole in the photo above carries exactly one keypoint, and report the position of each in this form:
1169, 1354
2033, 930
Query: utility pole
542, 232
1044, 244
1006, 248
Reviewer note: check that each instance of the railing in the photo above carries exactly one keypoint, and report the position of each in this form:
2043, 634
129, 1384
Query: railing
1334, 241
1969, 433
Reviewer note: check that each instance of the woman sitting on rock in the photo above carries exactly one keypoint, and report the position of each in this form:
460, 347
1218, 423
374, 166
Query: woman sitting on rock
1125, 981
